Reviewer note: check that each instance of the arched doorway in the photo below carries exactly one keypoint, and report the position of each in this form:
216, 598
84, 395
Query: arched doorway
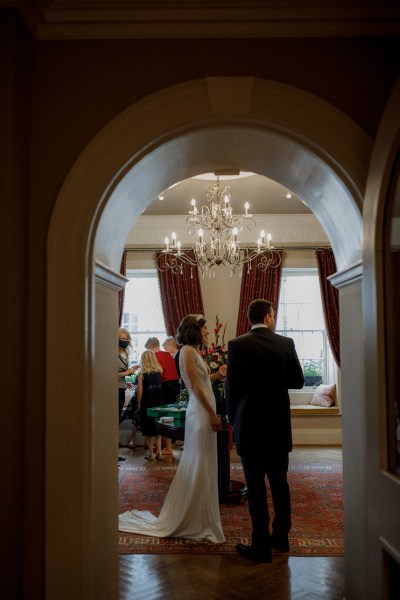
259, 126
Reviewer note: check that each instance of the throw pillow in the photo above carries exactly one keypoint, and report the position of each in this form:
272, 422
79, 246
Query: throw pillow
324, 395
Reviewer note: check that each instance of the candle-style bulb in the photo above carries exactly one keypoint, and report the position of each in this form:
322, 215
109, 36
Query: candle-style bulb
193, 202
246, 207
173, 235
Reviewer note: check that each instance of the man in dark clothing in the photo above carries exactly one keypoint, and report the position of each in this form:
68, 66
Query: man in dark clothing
262, 366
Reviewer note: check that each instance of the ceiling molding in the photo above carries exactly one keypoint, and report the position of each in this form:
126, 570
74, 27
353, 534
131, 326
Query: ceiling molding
285, 229
181, 19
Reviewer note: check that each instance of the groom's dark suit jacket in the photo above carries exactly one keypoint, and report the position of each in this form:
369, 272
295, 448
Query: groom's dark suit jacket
262, 366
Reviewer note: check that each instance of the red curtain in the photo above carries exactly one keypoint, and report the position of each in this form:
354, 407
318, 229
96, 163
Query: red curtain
121, 294
258, 284
180, 294
330, 299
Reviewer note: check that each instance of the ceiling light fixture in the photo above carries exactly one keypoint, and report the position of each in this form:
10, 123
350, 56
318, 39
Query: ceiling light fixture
224, 246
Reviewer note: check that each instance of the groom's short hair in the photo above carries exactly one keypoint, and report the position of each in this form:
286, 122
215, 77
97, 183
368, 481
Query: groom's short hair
257, 310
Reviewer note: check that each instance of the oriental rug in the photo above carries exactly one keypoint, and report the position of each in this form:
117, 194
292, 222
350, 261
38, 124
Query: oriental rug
317, 511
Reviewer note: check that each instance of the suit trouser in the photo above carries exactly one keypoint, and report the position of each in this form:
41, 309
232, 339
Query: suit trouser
255, 468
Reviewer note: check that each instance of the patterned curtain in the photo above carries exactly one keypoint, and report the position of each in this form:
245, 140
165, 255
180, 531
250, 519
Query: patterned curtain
258, 284
121, 294
330, 299
180, 294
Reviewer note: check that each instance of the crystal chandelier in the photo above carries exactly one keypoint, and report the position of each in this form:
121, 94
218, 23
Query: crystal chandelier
224, 246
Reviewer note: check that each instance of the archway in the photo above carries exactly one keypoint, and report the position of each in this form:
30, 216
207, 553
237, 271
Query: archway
260, 126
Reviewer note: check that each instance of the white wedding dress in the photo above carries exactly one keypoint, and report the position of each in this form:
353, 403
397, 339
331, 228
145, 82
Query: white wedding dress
191, 507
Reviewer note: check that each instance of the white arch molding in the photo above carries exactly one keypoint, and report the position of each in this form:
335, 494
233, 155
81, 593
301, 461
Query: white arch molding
261, 126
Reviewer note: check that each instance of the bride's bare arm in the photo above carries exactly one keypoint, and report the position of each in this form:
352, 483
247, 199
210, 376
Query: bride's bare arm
191, 378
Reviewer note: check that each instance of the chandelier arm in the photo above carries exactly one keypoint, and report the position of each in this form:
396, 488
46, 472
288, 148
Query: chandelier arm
224, 247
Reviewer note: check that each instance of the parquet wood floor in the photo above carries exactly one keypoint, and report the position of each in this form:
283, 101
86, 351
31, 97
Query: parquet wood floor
230, 577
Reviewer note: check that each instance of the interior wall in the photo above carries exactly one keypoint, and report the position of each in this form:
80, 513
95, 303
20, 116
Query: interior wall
18, 486
78, 87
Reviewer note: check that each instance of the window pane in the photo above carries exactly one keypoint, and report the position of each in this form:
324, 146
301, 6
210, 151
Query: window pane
143, 315
300, 317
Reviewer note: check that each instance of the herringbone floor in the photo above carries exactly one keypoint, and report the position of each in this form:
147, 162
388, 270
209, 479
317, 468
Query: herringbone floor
230, 577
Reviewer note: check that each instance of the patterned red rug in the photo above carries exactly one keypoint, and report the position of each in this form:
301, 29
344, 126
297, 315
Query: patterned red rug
317, 511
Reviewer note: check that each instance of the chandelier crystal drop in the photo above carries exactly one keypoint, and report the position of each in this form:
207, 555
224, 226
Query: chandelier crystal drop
223, 248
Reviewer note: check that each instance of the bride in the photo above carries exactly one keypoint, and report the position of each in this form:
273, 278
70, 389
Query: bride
191, 507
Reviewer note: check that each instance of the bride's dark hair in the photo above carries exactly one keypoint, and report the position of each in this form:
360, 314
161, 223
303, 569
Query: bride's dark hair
189, 330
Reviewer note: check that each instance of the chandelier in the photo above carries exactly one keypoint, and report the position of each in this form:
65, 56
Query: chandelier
217, 218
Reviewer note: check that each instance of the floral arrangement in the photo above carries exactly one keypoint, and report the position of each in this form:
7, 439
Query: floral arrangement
216, 357
216, 354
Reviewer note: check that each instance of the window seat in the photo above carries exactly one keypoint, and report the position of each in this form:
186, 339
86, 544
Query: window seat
314, 425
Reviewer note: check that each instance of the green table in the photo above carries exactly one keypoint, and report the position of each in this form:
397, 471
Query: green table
229, 491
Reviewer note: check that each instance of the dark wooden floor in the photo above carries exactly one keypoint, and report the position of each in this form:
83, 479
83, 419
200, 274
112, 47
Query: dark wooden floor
230, 577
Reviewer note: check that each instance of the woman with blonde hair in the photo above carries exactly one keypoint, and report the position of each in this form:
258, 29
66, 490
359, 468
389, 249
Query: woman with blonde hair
149, 394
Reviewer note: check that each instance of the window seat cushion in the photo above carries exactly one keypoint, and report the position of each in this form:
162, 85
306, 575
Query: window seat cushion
324, 395
311, 409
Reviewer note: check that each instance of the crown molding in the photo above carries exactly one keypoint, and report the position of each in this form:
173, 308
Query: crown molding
181, 19
285, 229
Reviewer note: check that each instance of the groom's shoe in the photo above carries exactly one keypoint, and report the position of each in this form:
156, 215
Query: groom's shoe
280, 543
252, 553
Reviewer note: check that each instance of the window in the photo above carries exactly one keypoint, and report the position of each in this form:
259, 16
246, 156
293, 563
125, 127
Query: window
300, 317
143, 315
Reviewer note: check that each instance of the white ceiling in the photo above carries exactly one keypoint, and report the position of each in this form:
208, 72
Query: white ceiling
264, 195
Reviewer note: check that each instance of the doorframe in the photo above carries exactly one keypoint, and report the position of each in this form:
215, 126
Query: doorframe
383, 499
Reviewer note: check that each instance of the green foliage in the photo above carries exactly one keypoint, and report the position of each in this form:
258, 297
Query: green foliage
182, 397
313, 368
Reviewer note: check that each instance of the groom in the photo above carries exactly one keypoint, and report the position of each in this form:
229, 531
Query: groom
262, 366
